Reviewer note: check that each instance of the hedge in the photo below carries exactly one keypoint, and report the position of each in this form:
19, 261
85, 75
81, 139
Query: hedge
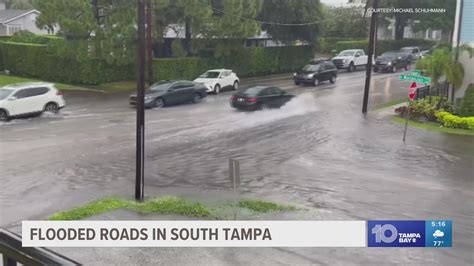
467, 103
37, 61
453, 121
385, 45
246, 62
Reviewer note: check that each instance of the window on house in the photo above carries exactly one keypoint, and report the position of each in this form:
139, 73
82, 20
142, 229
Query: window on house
14, 28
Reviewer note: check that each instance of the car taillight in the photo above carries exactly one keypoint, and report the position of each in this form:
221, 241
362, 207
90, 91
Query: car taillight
59, 93
251, 100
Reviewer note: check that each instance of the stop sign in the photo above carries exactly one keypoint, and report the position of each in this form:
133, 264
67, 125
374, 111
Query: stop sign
412, 91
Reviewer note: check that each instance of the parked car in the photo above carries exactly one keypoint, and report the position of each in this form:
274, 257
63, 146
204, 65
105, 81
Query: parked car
217, 79
260, 97
391, 61
29, 98
413, 52
316, 72
165, 93
350, 59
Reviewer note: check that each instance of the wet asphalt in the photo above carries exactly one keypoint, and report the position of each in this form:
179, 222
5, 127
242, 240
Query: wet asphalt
318, 152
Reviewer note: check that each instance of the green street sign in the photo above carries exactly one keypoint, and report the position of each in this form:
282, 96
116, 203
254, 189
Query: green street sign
416, 72
415, 78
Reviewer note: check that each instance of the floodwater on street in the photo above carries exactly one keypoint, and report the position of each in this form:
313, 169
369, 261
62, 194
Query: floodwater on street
318, 152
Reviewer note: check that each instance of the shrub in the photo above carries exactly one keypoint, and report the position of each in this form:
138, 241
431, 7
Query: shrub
383, 46
47, 63
467, 103
453, 121
425, 108
245, 62
37, 61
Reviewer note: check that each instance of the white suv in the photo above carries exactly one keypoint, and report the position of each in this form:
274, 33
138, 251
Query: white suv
29, 98
217, 79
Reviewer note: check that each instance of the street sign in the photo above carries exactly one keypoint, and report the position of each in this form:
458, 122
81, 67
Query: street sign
420, 79
416, 77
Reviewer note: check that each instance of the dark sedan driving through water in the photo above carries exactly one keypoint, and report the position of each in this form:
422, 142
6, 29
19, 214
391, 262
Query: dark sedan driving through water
165, 93
260, 97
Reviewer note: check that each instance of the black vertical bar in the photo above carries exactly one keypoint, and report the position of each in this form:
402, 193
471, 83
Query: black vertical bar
139, 177
370, 54
149, 37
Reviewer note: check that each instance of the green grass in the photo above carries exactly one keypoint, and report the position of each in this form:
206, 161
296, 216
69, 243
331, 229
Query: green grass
389, 103
117, 86
164, 205
433, 127
264, 206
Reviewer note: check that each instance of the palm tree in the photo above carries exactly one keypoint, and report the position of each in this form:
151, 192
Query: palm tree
442, 63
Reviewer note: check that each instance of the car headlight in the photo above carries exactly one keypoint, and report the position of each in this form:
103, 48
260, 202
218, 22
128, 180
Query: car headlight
148, 98
310, 75
345, 60
389, 63
294, 74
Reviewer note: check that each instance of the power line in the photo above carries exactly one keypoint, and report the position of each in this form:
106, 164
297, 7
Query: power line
266, 22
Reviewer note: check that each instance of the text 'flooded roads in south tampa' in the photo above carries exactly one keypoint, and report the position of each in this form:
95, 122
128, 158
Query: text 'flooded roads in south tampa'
318, 151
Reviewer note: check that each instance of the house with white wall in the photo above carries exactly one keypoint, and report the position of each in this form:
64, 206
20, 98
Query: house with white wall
12, 20
464, 35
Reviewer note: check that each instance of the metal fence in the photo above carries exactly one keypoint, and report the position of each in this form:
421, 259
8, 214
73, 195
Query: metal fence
442, 89
13, 252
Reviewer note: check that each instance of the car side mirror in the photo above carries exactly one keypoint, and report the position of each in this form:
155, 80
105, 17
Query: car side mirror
12, 98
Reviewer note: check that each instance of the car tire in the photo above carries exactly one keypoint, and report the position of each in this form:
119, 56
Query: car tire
236, 85
51, 108
4, 116
197, 98
332, 79
297, 83
315, 82
351, 67
217, 89
394, 69
158, 103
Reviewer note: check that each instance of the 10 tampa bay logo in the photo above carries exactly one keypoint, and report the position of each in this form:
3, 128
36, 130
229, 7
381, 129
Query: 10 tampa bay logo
396, 233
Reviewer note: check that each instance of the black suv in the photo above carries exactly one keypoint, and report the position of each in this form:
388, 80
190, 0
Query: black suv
316, 72
391, 62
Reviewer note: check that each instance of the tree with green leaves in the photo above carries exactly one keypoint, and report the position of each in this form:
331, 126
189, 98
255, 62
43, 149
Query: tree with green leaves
21, 4
280, 12
350, 22
100, 28
442, 63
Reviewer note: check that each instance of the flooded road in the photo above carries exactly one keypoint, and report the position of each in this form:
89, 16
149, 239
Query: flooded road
318, 152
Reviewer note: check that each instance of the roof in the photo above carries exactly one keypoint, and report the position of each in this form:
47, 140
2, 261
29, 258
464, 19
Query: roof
12, 14
25, 85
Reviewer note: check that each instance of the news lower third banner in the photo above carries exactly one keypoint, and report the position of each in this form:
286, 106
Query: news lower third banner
431, 233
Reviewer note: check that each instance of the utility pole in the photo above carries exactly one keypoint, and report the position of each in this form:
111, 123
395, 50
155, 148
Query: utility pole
370, 55
149, 16
140, 144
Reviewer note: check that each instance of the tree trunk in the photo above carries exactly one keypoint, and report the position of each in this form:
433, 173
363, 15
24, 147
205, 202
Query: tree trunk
187, 40
399, 27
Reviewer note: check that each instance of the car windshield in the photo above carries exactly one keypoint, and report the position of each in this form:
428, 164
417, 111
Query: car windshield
4, 93
160, 86
311, 68
252, 91
346, 53
389, 55
210, 75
